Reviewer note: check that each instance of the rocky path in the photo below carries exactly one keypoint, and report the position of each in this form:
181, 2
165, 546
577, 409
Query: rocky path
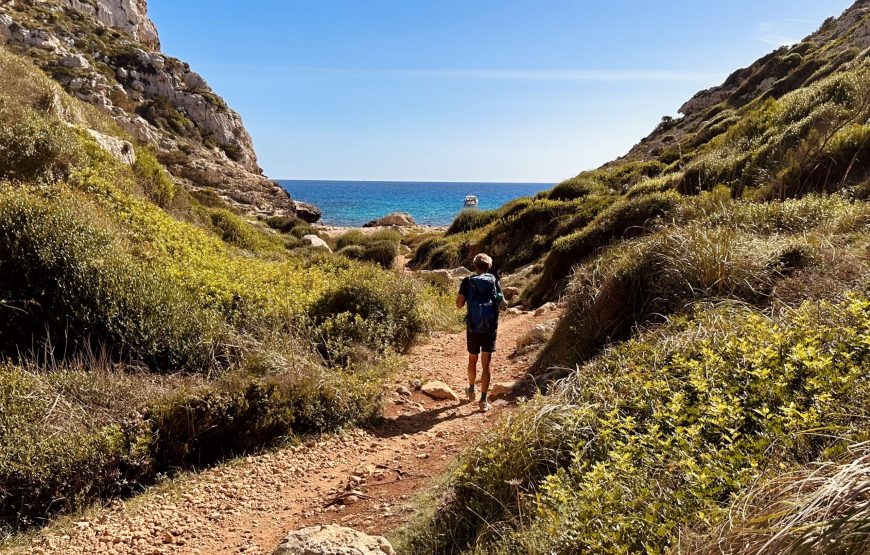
364, 479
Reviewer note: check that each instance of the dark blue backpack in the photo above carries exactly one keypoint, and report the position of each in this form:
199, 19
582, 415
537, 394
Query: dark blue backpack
482, 305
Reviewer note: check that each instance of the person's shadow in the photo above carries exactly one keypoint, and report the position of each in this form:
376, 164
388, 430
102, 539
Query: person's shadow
415, 423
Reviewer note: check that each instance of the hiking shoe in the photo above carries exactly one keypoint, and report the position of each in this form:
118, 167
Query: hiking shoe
484, 406
469, 392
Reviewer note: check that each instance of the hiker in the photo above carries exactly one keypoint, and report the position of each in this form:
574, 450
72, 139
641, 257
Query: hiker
482, 293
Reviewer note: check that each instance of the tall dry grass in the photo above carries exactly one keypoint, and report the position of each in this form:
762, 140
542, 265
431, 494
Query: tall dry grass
823, 508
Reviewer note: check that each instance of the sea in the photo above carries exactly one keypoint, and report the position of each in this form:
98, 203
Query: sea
354, 203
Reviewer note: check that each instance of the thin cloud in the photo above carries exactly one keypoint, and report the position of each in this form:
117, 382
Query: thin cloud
783, 33
567, 75
481, 74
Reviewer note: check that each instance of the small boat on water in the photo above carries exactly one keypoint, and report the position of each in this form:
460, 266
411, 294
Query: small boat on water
470, 201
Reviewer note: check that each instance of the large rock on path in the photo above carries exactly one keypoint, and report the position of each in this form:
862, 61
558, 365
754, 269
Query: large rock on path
503, 389
397, 219
439, 391
333, 540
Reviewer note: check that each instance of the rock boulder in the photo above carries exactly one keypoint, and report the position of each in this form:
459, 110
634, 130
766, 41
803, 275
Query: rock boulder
548, 307
120, 149
397, 219
333, 540
510, 293
439, 391
501, 389
538, 334
316, 242
307, 212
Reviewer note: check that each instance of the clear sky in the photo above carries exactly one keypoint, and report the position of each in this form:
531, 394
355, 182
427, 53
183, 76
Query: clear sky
466, 90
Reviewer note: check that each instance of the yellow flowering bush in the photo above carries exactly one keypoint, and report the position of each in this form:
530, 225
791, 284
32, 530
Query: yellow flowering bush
661, 432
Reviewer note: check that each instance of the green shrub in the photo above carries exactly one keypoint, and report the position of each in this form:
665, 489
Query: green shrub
624, 219
380, 247
237, 232
653, 278
354, 252
153, 178
831, 213
60, 446
160, 112
383, 253
656, 435
246, 411
75, 434
63, 280
530, 229
368, 309
653, 185
435, 253
284, 224
352, 237
357, 237
35, 148
469, 220
304, 229
578, 187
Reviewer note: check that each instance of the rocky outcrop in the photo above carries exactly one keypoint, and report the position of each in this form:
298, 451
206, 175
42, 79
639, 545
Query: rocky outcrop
129, 16
120, 149
110, 58
333, 540
396, 219
307, 212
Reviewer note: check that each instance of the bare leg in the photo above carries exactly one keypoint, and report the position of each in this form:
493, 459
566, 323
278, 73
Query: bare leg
472, 369
485, 360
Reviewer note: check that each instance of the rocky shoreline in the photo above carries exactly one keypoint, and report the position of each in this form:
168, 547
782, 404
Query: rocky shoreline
336, 231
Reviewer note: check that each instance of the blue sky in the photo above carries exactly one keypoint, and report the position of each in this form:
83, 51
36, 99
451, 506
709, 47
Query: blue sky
466, 90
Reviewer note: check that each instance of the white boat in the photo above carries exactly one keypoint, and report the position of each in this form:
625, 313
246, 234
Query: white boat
471, 201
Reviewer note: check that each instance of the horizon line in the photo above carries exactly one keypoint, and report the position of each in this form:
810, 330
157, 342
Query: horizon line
279, 179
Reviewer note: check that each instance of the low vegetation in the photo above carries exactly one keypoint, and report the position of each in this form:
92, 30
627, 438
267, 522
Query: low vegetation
213, 335
381, 247
681, 418
713, 352
810, 140
806, 510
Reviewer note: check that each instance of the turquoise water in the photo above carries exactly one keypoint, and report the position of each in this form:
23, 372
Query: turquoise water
353, 203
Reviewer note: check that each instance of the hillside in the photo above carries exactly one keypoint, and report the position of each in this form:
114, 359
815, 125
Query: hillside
146, 327
787, 126
713, 353
107, 53
702, 386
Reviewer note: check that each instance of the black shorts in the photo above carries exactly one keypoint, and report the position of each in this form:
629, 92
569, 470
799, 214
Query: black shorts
478, 342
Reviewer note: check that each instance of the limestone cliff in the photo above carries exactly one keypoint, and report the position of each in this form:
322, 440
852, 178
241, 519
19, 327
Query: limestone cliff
106, 52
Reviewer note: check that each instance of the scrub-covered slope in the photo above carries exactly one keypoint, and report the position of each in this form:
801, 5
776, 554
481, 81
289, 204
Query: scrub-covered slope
791, 124
145, 328
715, 341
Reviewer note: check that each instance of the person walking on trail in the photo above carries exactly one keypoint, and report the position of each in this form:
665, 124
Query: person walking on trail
483, 296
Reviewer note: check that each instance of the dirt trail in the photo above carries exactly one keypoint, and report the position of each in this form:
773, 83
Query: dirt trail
249, 505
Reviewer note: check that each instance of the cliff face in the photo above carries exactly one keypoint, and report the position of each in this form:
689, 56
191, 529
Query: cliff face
838, 42
106, 52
